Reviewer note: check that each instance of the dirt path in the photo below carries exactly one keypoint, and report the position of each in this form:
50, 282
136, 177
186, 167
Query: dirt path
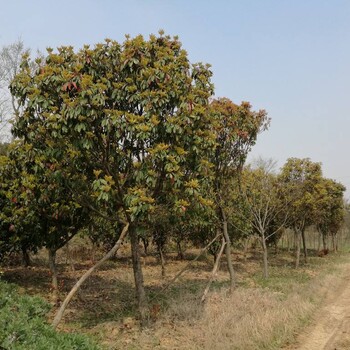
330, 329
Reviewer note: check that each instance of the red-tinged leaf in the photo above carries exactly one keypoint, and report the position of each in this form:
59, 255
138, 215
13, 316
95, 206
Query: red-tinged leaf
65, 87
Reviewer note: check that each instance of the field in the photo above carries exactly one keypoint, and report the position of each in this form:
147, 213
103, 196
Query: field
260, 314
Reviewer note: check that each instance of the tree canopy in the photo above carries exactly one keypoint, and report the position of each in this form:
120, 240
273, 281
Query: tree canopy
127, 124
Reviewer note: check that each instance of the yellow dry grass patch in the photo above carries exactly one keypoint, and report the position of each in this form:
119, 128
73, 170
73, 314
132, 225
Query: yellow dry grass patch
248, 319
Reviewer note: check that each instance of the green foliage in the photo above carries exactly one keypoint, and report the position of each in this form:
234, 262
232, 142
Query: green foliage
102, 232
19, 226
330, 207
3, 148
238, 213
37, 209
130, 120
300, 178
236, 129
23, 325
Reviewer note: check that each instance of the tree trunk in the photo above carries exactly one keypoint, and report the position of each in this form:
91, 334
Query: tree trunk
340, 240
145, 243
138, 277
276, 246
297, 248
324, 241
282, 241
190, 263
94, 248
69, 258
82, 279
265, 257
162, 260
215, 268
319, 241
314, 240
245, 248
54, 275
304, 245
228, 251
25, 257
334, 245
180, 254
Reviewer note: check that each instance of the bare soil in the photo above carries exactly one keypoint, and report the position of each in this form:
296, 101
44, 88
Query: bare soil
330, 329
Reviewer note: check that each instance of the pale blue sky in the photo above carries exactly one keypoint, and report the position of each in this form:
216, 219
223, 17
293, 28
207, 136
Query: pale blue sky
290, 57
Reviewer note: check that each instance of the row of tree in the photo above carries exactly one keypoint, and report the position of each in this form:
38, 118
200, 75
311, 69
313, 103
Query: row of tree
296, 198
127, 138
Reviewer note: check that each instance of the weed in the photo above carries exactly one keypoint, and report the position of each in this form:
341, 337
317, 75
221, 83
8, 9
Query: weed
23, 325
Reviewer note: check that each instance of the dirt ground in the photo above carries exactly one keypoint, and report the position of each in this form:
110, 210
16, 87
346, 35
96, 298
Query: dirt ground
330, 329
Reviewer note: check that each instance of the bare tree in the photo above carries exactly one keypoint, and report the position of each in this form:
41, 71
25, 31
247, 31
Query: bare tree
269, 165
267, 205
10, 61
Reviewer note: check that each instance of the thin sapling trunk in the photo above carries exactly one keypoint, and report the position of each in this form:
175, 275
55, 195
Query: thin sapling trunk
265, 256
162, 260
87, 274
215, 268
228, 251
304, 245
138, 277
54, 275
297, 248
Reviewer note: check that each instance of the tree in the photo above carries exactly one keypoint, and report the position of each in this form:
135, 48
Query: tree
236, 128
19, 226
10, 60
301, 177
267, 205
131, 119
38, 207
330, 209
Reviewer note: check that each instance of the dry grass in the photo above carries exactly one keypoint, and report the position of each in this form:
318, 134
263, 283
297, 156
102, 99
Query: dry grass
257, 318
260, 314
262, 317
250, 318
343, 345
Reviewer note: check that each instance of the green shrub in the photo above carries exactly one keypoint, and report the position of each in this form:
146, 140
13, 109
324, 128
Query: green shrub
23, 325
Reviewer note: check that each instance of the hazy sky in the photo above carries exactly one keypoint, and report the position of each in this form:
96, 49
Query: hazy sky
290, 57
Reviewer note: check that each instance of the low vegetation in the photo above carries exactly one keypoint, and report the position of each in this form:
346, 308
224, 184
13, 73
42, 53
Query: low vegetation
23, 324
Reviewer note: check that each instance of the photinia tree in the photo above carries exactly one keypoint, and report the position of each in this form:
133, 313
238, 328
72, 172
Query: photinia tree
37, 207
19, 225
236, 129
130, 124
300, 178
330, 209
